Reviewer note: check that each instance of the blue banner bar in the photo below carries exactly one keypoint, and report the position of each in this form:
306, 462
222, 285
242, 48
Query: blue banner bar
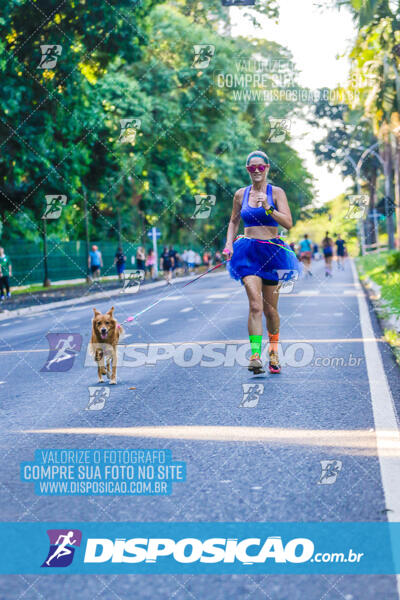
291, 548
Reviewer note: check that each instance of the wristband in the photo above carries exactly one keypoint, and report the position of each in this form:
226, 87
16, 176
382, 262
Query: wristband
269, 211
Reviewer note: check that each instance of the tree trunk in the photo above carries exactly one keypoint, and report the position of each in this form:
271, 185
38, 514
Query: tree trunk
387, 159
370, 233
396, 165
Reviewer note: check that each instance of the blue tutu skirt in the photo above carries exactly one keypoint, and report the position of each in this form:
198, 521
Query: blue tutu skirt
269, 259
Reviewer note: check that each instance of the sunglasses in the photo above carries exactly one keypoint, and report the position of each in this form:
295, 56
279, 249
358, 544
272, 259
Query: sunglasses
253, 168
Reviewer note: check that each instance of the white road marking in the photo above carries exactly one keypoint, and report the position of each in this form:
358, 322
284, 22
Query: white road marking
187, 309
384, 413
158, 322
218, 296
172, 298
309, 293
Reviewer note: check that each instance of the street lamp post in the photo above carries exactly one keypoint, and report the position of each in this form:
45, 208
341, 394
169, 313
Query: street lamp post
88, 280
46, 282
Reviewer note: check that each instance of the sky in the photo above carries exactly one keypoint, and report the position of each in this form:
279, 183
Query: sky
319, 40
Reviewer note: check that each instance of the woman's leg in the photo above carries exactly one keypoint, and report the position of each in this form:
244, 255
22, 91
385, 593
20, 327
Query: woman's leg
253, 286
270, 305
270, 308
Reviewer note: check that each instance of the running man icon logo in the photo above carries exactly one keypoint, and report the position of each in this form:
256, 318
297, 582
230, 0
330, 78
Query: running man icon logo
357, 206
62, 547
50, 54
63, 349
204, 203
330, 470
97, 397
203, 54
287, 278
277, 130
129, 129
54, 206
132, 280
251, 394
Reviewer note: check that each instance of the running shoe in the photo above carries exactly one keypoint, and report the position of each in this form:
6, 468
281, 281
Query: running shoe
255, 363
274, 366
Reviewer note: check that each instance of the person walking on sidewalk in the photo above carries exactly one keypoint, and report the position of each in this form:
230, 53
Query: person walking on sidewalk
150, 263
5, 273
119, 262
166, 263
95, 261
141, 258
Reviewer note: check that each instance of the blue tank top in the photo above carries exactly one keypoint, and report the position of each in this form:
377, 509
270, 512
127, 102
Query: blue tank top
253, 217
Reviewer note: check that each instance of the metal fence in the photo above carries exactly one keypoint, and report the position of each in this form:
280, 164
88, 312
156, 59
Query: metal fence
65, 260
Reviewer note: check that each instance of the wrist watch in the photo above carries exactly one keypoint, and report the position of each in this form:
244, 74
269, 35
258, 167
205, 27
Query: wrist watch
269, 211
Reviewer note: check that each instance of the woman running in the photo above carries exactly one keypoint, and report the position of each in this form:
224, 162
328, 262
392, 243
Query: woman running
327, 249
259, 258
340, 252
306, 254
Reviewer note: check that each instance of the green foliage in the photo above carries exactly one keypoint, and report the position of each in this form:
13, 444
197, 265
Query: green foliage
393, 261
60, 127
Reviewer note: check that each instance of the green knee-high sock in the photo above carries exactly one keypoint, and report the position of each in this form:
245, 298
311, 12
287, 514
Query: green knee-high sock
255, 343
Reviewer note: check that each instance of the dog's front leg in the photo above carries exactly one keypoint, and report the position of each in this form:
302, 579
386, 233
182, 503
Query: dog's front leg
101, 370
99, 358
114, 367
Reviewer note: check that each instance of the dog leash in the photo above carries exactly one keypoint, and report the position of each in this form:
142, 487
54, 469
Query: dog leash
133, 317
264, 242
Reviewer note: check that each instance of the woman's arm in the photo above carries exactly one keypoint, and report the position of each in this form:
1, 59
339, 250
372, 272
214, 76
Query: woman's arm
234, 222
282, 214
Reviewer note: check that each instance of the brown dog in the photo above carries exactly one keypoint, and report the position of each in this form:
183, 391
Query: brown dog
103, 346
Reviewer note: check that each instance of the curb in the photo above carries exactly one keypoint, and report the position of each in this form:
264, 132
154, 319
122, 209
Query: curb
39, 308
391, 322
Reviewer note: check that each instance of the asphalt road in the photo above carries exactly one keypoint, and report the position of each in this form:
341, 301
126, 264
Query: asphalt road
260, 462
